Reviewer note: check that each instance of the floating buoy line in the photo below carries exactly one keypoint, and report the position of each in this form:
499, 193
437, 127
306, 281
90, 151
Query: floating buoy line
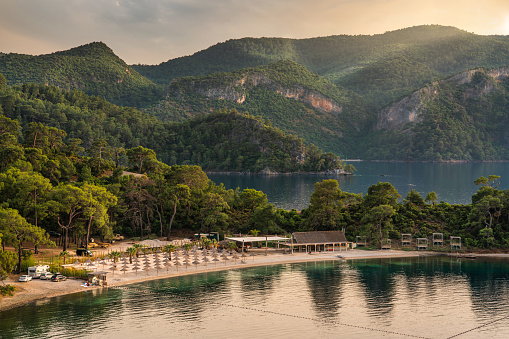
270, 312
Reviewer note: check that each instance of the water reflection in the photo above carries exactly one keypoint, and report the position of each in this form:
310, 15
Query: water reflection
426, 296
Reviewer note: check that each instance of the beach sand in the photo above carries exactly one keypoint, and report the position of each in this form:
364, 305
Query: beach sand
41, 289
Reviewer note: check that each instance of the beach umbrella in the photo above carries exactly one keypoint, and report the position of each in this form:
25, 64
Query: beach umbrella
113, 268
158, 267
177, 264
124, 269
136, 267
205, 260
146, 268
225, 258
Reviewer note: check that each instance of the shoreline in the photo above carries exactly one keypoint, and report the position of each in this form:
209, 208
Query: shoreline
37, 290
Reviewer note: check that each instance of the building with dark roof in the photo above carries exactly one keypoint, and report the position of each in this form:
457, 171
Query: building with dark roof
319, 241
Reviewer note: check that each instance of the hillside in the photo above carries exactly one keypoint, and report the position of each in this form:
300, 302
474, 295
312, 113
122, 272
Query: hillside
292, 98
380, 67
463, 117
92, 68
226, 141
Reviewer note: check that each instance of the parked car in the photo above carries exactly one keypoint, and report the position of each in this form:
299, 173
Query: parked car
118, 237
53, 234
25, 278
83, 252
58, 277
46, 276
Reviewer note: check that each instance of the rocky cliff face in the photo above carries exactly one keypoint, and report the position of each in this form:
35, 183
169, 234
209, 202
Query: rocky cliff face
235, 90
412, 109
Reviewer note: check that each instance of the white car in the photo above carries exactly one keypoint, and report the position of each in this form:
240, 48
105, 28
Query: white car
46, 276
25, 278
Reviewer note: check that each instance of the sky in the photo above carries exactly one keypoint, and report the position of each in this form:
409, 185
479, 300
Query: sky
154, 31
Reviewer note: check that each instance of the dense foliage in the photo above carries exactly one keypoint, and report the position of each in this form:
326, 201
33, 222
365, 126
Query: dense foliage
465, 120
226, 141
292, 98
92, 68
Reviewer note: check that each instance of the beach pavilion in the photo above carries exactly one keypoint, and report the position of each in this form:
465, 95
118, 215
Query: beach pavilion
250, 241
319, 241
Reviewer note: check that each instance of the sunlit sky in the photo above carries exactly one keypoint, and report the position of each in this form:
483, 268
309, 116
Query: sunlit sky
153, 31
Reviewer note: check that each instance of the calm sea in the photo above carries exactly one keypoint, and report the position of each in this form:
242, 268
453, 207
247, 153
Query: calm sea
453, 183
424, 297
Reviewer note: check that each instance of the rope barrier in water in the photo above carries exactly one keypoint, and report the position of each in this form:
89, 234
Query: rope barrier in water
272, 312
478, 327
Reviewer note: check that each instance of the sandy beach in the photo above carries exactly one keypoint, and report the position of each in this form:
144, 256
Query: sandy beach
42, 289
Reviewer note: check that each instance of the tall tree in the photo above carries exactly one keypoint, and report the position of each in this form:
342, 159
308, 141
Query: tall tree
17, 230
68, 203
96, 211
138, 156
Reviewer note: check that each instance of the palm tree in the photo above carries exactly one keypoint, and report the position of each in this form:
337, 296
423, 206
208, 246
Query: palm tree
169, 249
131, 251
254, 232
188, 246
115, 255
138, 248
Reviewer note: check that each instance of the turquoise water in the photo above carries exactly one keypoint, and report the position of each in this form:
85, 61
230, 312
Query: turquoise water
453, 183
430, 297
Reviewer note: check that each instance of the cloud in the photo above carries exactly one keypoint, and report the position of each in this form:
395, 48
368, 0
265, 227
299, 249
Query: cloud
152, 31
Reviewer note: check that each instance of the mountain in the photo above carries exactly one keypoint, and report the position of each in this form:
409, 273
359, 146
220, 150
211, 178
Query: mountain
463, 117
380, 67
92, 68
226, 141
287, 94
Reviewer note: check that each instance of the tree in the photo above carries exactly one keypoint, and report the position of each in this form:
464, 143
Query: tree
98, 151
382, 193
27, 192
68, 202
8, 261
432, 198
3, 82
139, 155
17, 230
378, 217
491, 181
413, 198
326, 204
212, 206
138, 201
176, 195
99, 201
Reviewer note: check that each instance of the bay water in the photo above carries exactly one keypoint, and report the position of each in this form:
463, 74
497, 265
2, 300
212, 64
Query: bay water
453, 182
423, 297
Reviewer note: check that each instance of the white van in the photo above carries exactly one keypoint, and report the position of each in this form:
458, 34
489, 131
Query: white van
36, 271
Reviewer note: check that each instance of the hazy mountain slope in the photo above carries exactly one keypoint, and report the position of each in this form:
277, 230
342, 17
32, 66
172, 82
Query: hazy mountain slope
92, 68
464, 117
352, 61
287, 94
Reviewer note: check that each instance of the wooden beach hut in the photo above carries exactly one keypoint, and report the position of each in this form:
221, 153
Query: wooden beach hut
319, 241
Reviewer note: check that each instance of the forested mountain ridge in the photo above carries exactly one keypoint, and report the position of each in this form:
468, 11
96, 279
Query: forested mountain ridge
463, 117
291, 97
227, 141
380, 67
92, 68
